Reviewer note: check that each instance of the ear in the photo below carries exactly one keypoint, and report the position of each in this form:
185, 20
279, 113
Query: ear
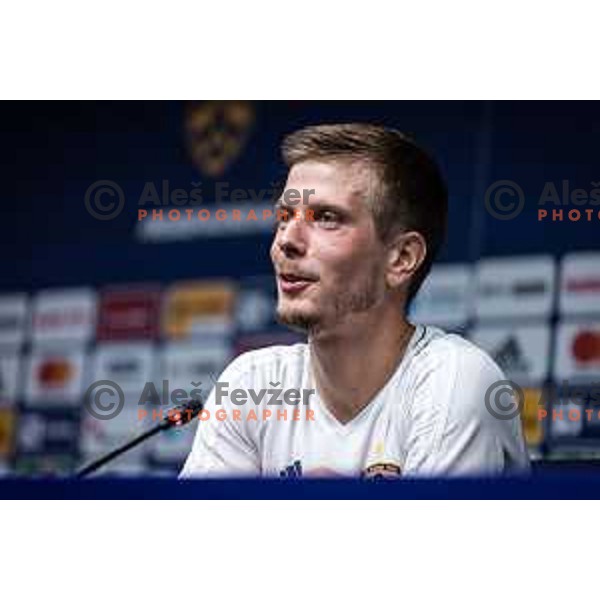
406, 254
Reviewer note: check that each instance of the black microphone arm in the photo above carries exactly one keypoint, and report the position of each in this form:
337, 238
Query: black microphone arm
178, 418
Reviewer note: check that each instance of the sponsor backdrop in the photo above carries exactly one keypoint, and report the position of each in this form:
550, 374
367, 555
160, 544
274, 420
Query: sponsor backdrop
92, 289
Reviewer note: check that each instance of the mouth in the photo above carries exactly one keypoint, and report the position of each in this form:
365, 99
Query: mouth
294, 282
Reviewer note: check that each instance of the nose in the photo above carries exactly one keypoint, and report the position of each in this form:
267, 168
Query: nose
291, 238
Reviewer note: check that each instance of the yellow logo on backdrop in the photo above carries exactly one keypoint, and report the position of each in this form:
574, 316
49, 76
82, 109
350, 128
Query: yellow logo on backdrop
7, 421
532, 426
217, 132
198, 308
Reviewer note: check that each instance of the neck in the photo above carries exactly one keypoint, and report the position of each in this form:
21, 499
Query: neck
353, 363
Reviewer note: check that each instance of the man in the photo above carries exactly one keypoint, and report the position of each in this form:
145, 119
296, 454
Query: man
381, 396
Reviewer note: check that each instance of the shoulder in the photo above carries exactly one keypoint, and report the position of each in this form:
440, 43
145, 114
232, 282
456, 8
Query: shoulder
452, 371
452, 426
450, 355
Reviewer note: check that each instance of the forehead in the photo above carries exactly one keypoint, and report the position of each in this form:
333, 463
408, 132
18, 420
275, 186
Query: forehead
334, 181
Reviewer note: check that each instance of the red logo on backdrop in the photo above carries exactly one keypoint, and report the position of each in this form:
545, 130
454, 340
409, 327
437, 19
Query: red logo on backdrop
591, 284
55, 372
127, 314
586, 347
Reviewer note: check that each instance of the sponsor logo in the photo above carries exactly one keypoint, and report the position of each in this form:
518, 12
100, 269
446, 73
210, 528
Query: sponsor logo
53, 431
292, 471
55, 373
566, 421
577, 350
510, 358
64, 315
515, 287
55, 376
7, 427
187, 366
521, 351
580, 283
586, 348
585, 285
129, 365
129, 314
532, 426
194, 309
445, 298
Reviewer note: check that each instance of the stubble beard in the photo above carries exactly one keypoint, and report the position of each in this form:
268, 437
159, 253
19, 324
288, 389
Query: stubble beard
344, 304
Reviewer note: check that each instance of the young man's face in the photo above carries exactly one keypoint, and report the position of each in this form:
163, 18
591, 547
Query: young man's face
331, 268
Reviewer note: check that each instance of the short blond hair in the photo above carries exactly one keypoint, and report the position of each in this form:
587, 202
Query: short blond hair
410, 193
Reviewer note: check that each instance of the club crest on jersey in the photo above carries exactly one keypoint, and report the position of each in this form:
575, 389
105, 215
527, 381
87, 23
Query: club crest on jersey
382, 470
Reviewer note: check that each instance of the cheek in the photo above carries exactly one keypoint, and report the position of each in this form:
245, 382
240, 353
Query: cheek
273, 250
352, 257
358, 274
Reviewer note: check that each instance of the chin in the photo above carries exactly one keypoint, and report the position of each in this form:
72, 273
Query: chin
300, 320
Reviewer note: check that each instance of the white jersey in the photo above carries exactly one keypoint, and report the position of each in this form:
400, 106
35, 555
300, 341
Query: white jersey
265, 418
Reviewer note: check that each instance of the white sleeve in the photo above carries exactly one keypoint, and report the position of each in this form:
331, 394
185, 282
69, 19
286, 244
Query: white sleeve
223, 448
451, 430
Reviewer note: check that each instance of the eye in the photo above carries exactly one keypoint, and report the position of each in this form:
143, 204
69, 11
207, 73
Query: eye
327, 218
280, 224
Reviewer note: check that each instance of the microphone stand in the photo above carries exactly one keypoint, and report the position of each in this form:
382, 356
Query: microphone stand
179, 418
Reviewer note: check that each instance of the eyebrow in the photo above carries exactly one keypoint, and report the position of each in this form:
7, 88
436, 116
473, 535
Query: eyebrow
315, 204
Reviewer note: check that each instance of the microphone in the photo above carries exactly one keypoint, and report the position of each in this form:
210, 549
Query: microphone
179, 417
